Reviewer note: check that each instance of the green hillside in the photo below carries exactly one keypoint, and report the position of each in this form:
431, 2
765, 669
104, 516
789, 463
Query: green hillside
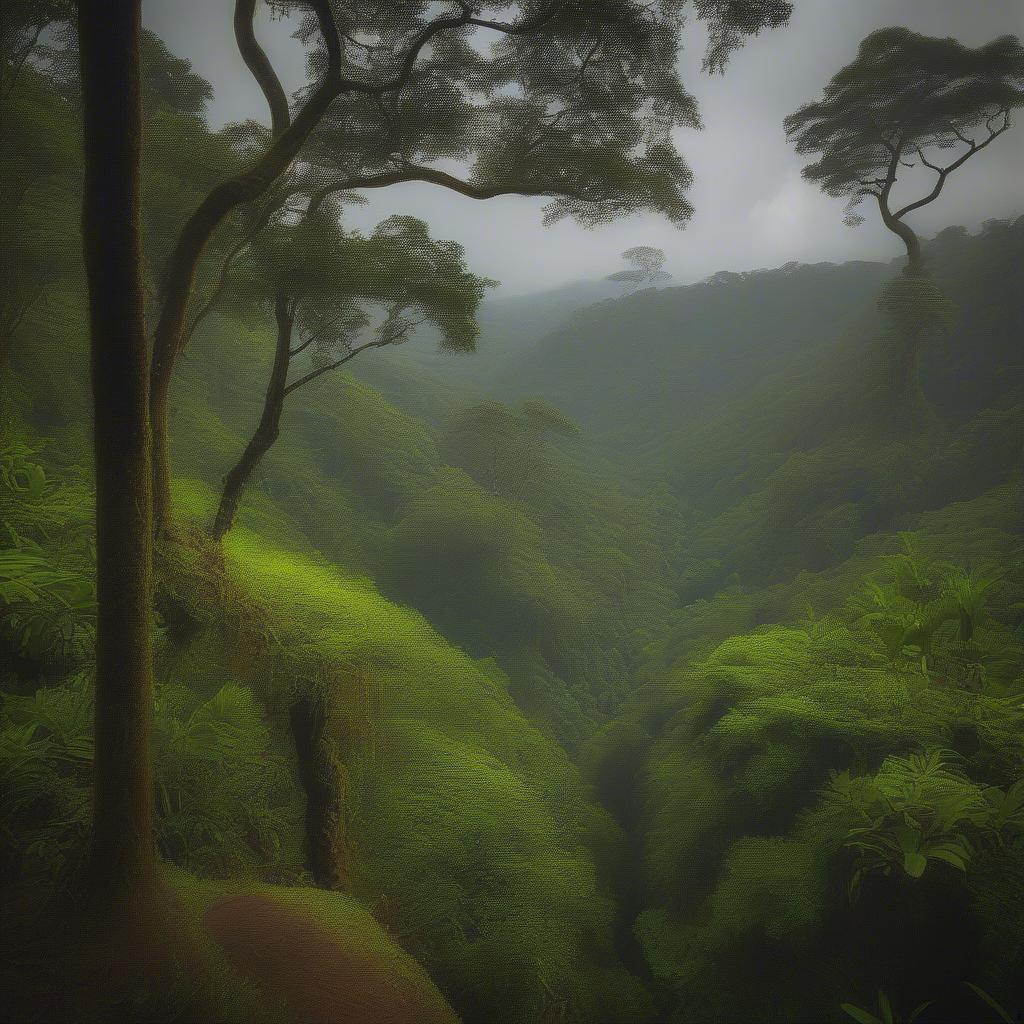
636, 667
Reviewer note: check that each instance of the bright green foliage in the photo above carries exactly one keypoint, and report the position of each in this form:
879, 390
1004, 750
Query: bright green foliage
46, 589
786, 773
470, 827
919, 809
226, 799
691, 565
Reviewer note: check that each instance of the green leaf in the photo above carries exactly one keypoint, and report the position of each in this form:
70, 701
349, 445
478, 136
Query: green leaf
914, 864
885, 1007
1000, 1012
859, 1015
949, 857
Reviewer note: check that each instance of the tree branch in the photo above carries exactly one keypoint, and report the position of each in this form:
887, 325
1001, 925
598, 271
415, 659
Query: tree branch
944, 172
258, 63
26, 53
417, 172
408, 61
351, 354
218, 289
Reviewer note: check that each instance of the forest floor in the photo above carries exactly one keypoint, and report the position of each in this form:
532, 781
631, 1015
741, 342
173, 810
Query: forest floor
198, 951
283, 951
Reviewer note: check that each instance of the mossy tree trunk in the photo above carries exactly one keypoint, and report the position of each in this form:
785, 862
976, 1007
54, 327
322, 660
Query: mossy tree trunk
269, 427
321, 775
123, 854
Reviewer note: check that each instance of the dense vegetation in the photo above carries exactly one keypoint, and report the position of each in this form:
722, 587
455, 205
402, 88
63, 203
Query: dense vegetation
712, 711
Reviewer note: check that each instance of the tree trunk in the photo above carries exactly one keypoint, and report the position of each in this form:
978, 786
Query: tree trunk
122, 855
268, 429
321, 778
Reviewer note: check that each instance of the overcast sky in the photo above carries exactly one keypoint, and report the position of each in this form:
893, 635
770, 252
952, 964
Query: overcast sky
752, 208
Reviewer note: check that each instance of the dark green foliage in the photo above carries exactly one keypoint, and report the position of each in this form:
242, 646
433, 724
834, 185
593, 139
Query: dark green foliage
46, 586
919, 810
227, 803
575, 102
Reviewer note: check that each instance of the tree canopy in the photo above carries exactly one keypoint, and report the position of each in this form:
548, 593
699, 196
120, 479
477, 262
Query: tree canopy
906, 100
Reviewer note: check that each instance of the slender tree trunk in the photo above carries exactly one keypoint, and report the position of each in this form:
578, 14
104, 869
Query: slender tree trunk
122, 855
180, 274
268, 429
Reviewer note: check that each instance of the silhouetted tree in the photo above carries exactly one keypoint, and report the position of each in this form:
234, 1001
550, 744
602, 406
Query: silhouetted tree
905, 101
647, 267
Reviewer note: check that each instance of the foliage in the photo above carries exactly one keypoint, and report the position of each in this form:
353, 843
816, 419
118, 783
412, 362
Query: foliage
688, 562
226, 799
919, 809
799, 765
885, 1013
46, 589
574, 103
470, 827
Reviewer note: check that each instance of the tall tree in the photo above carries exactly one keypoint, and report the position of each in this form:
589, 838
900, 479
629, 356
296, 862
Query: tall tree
109, 43
907, 101
335, 295
575, 101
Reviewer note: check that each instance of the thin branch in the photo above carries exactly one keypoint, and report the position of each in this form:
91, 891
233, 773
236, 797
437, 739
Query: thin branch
944, 172
303, 346
411, 56
924, 161
315, 335
962, 138
16, 72
351, 354
218, 289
